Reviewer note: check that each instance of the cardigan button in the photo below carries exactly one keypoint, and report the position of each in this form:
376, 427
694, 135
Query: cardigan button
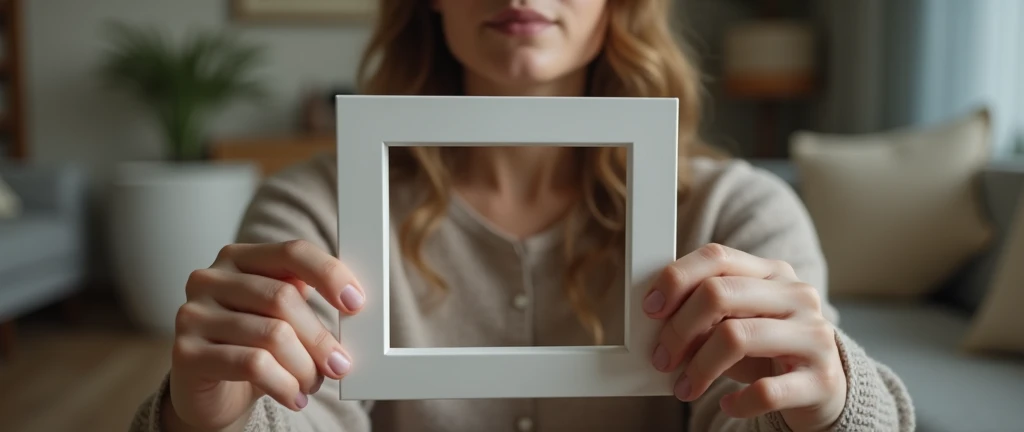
524, 424
521, 301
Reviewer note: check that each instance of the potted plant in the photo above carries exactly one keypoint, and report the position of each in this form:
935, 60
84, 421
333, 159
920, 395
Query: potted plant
172, 216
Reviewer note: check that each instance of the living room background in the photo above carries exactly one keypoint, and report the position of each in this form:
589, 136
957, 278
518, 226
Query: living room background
909, 131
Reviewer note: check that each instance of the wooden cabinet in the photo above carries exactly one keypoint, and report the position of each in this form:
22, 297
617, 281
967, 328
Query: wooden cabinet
271, 154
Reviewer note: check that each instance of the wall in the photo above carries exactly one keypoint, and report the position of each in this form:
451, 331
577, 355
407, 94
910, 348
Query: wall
852, 97
73, 118
897, 63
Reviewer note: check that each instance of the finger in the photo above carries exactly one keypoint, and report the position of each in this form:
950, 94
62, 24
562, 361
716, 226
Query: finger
679, 279
750, 369
794, 390
221, 326
276, 299
303, 287
668, 351
241, 364
735, 339
306, 262
719, 298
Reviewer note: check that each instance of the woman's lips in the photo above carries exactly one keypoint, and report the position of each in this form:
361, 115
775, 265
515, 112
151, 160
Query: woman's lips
520, 22
516, 28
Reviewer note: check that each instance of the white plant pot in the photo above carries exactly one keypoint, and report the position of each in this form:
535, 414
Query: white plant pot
168, 220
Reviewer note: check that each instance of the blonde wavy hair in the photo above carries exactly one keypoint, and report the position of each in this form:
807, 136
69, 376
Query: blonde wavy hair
408, 55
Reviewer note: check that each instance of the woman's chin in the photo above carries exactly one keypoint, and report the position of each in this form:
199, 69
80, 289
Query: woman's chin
528, 64
525, 77
529, 73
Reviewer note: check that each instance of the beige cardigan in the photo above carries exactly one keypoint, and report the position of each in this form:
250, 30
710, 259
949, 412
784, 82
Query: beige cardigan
507, 292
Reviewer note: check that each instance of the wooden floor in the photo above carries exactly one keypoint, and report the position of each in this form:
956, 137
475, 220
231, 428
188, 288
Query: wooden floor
87, 375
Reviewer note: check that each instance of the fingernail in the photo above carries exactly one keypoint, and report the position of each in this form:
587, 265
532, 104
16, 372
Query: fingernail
301, 400
683, 389
338, 363
654, 302
660, 358
351, 298
316, 387
726, 403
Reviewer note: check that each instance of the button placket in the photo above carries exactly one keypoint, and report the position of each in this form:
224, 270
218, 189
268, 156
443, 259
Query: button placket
522, 301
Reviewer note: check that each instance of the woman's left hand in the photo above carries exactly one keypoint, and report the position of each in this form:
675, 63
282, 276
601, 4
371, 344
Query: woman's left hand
728, 313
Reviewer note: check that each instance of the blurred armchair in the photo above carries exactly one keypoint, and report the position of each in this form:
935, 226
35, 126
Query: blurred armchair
42, 250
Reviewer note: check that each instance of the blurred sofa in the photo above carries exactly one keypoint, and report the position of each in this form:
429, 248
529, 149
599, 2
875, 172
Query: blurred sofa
42, 249
922, 341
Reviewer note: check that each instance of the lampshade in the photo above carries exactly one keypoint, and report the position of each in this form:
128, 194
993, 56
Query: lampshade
770, 59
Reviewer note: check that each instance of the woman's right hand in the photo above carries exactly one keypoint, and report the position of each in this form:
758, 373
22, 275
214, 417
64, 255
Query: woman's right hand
246, 331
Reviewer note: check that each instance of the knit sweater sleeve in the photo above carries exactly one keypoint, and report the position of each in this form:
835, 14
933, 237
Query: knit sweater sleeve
753, 211
298, 203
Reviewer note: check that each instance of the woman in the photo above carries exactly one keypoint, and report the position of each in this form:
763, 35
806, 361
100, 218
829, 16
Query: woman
742, 309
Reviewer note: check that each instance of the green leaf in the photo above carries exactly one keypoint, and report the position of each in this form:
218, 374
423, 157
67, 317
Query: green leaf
183, 84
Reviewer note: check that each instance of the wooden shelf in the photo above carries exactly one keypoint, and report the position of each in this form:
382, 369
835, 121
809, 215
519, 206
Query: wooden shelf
12, 119
271, 154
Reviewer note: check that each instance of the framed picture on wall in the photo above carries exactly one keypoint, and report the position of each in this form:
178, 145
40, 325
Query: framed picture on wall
303, 11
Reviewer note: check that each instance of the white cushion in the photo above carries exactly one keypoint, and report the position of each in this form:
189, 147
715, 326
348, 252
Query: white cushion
898, 212
998, 325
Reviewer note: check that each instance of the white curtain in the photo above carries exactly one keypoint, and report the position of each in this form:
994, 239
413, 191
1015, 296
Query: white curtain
895, 63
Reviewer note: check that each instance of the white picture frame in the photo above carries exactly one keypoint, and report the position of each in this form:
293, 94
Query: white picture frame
368, 125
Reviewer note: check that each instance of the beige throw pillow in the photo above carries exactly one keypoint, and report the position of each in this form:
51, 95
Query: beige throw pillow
10, 204
897, 212
998, 325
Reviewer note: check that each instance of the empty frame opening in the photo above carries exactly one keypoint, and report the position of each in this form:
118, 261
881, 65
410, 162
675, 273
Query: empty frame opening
493, 256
